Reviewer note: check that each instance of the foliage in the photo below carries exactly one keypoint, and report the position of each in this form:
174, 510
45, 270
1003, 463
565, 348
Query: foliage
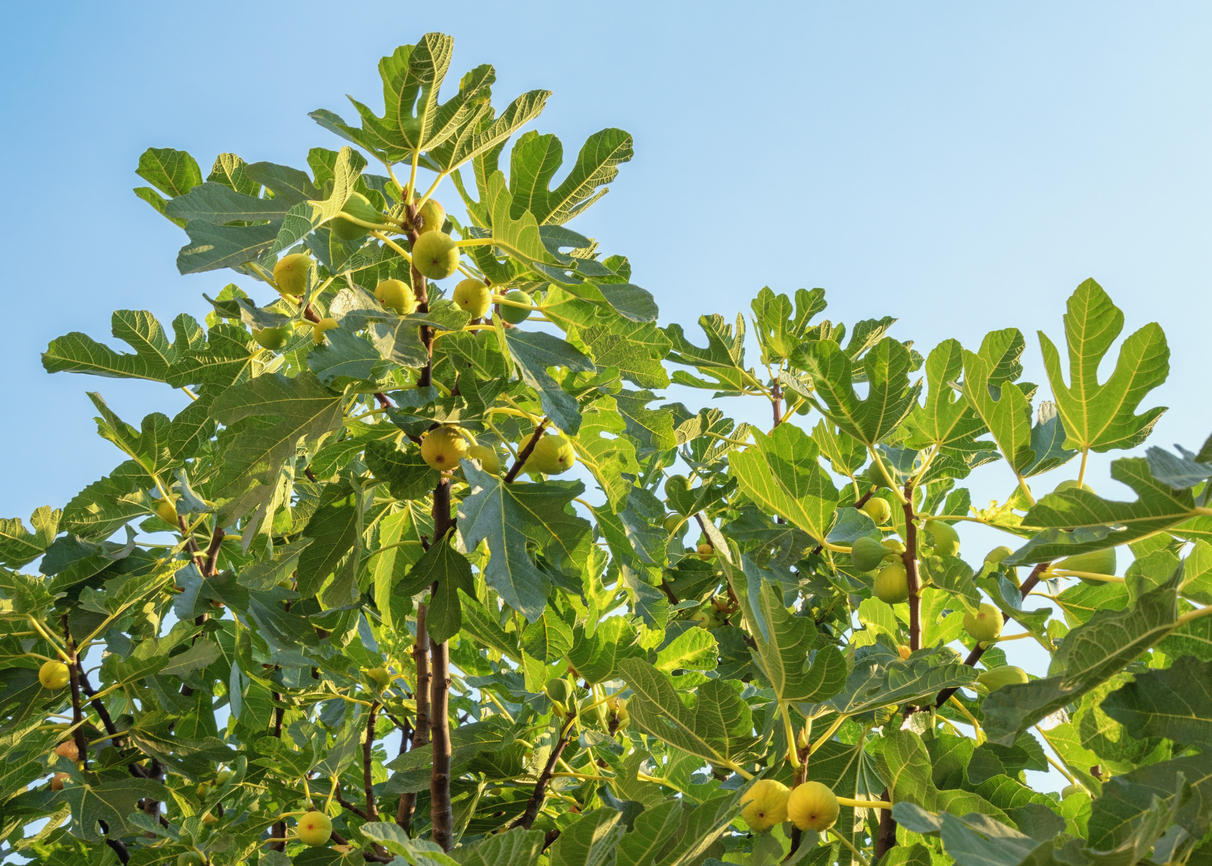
505, 667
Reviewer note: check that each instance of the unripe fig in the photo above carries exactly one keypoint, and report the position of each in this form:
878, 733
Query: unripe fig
490, 460
290, 273
359, 207
866, 553
431, 217
68, 749
272, 338
435, 255
473, 297
1070, 790
997, 554
704, 551
318, 329
1070, 484
701, 618
551, 456
892, 584
878, 510
765, 804
874, 477
202, 790
812, 806
1006, 675
617, 708
315, 828
54, 676
209, 819
223, 776
671, 523
381, 676
189, 858
516, 315
984, 625
946, 539
167, 512
894, 546
58, 781
396, 295
904, 652
444, 447
1097, 562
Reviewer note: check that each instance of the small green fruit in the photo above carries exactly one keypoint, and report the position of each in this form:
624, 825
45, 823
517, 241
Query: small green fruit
894, 546
866, 553
381, 676
516, 315
435, 255
396, 295
315, 829
765, 804
892, 584
490, 460
878, 510
997, 554
167, 512
946, 539
812, 806
444, 447
1097, 562
224, 776
984, 625
209, 819
1071, 484
473, 297
202, 790
704, 551
290, 273
616, 707
551, 456
318, 329
272, 338
701, 618
671, 523
1006, 675
54, 676
189, 858
431, 217
357, 206
1070, 790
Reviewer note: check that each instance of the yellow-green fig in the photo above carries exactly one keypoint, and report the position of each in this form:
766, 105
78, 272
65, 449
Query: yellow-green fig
489, 459
946, 539
443, 448
878, 510
189, 858
1070, 790
315, 828
866, 553
473, 297
290, 273
894, 546
671, 523
167, 512
812, 806
984, 625
318, 329
904, 652
516, 315
997, 554
430, 217
765, 804
396, 295
892, 584
381, 676
1006, 675
435, 255
704, 551
272, 338
551, 456
1097, 562
359, 207
54, 676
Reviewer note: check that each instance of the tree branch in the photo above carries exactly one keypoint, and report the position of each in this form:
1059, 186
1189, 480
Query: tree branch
73, 668
540, 788
909, 557
885, 839
212, 552
420, 733
525, 452
372, 813
441, 813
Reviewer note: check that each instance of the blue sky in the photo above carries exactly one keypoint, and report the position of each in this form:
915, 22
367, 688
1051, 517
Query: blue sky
962, 166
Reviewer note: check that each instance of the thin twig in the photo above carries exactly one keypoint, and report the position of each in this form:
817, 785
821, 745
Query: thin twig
371, 813
535, 803
525, 452
212, 552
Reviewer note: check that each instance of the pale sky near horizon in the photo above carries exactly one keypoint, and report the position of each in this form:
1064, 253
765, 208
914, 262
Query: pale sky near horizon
962, 166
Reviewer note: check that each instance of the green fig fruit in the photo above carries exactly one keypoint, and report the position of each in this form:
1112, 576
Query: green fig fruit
765, 804
290, 273
984, 625
997, 554
1097, 562
1006, 675
878, 510
431, 217
866, 553
443, 448
318, 329
315, 828
473, 297
1070, 790
272, 338
892, 584
359, 207
489, 459
551, 456
946, 539
54, 676
812, 806
435, 255
516, 315
396, 295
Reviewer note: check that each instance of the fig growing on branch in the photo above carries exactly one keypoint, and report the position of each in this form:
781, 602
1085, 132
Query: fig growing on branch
516, 315
878, 510
315, 829
946, 539
473, 297
489, 459
396, 295
984, 625
444, 447
551, 456
866, 553
290, 274
765, 804
892, 584
430, 217
272, 338
1006, 675
54, 676
435, 255
812, 806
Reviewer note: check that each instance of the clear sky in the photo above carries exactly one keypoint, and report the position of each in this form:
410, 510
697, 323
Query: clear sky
962, 166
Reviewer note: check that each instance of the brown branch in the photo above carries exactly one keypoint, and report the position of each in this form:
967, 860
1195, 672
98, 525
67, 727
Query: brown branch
441, 813
668, 590
371, 813
212, 552
909, 557
98, 707
279, 829
885, 839
345, 804
194, 552
801, 774
116, 845
862, 500
540, 788
525, 452
73, 668
311, 476
369, 856
776, 402
420, 732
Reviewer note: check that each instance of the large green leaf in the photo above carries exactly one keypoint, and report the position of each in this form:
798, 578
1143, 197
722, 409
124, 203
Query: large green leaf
906, 768
447, 571
723, 360
781, 474
79, 353
535, 158
19, 546
536, 352
1102, 416
1175, 703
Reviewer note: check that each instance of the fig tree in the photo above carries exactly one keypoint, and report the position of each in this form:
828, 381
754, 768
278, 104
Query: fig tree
290, 274
443, 448
318, 329
54, 676
272, 338
984, 625
490, 460
473, 297
878, 510
516, 315
946, 539
315, 829
1006, 675
812, 806
551, 456
396, 295
435, 255
892, 584
866, 553
765, 804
